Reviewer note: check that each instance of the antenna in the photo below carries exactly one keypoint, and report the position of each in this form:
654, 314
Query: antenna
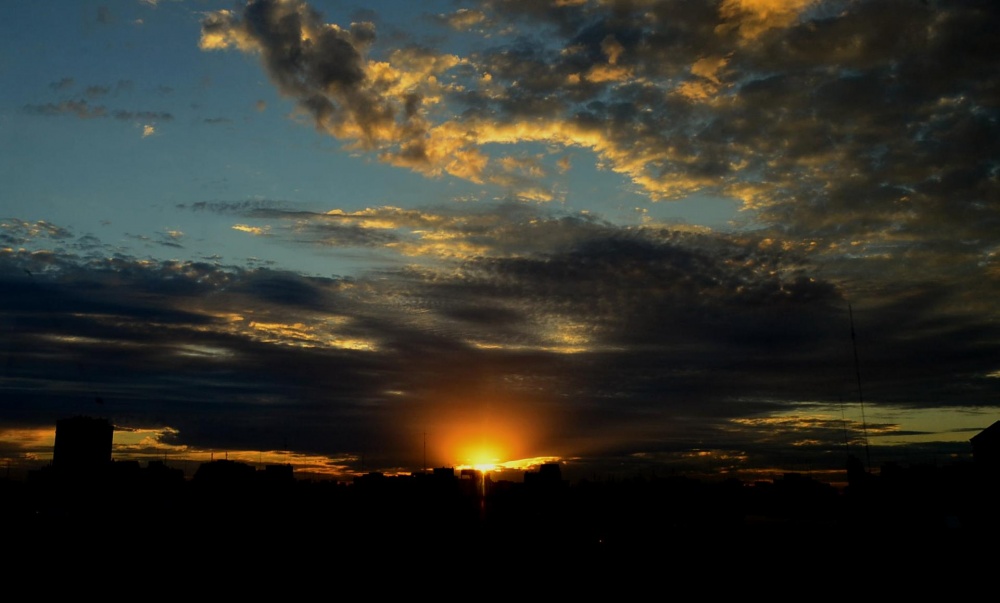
425, 452
843, 421
861, 400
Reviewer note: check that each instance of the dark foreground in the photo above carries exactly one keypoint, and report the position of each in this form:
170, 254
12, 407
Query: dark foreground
935, 522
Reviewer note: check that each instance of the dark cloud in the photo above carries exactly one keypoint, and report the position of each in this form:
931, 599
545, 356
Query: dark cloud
96, 91
284, 289
78, 108
142, 115
83, 110
809, 115
323, 70
104, 15
299, 66
63, 84
565, 17
238, 207
820, 122
674, 343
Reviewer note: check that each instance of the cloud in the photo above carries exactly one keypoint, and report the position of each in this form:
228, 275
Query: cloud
78, 108
322, 67
752, 18
254, 230
14, 231
801, 111
95, 91
390, 107
464, 18
83, 110
105, 16
430, 234
252, 206
665, 339
63, 84
142, 115
615, 330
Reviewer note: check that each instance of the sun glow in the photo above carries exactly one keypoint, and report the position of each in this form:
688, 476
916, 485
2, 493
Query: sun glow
483, 443
476, 425
482, 458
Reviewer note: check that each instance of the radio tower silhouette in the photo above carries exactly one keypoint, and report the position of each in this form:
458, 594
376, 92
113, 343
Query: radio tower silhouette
861, 399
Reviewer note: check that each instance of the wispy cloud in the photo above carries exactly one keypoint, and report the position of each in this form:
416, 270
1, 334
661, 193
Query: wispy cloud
83, 110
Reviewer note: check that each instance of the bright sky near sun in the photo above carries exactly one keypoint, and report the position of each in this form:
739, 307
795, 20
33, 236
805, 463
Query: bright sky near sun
623, 235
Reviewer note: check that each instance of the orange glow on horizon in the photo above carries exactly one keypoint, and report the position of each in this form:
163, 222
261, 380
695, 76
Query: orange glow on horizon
483, 458
517, 465
482, 451
487, 436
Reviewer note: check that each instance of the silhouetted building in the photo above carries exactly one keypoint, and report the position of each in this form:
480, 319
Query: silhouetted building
444, 473
471, 482
83, 444
548, 474
225, 473
858, 477
160, 475
986, 447
279, 474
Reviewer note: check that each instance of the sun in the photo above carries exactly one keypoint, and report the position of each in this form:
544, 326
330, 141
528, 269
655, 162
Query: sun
481, 458
484, 435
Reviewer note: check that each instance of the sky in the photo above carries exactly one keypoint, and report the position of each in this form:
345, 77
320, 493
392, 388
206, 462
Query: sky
726, 239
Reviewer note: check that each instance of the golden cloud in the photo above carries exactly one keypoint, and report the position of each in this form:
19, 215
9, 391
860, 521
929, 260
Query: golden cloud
254, 230
754, 17
465, 18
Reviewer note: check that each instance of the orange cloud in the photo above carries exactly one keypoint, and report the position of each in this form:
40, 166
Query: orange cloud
754, 17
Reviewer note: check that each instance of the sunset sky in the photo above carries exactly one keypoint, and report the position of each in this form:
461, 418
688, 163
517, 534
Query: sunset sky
629, 237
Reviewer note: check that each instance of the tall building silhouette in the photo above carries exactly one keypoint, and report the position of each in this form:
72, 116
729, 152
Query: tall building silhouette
83, 444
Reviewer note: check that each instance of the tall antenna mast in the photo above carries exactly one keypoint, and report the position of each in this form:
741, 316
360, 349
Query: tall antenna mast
843, 421
861, 400
425, 452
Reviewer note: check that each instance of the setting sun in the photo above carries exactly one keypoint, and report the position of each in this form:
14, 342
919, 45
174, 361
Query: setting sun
468, 434
483, 458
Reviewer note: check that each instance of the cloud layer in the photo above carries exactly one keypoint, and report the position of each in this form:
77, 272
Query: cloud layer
615, 347
805, 112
